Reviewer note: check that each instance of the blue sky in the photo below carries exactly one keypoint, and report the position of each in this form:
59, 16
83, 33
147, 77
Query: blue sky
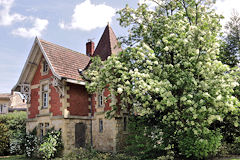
68, 23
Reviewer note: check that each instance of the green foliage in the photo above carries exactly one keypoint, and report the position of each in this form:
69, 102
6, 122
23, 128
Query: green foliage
145, 141
51, 145
85, 154
200, 146
16, 126
171, 77
31, 143
236, 144
4, 139
230, 46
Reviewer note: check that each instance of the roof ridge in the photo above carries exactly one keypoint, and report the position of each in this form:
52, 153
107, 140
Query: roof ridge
62, 46
109, 37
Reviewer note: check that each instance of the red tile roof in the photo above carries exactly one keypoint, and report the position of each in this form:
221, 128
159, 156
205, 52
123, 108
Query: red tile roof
108, 44
65, 62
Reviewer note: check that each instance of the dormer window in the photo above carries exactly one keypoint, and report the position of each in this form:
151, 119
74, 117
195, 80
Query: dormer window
45, 67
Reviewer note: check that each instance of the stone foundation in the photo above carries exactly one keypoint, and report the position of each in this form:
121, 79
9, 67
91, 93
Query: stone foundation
111, 139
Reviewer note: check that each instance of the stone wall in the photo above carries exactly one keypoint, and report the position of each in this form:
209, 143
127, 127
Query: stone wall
105, 140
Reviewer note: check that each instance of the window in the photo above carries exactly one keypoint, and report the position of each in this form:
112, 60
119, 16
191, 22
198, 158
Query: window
2, 107
125, 123
41, 129
100, 125
100, 100
45, 67
45, 96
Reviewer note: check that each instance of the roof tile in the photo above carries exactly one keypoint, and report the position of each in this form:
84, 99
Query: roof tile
65, 62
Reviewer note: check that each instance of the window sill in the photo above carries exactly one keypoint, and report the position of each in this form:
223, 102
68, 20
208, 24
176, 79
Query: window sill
42, 108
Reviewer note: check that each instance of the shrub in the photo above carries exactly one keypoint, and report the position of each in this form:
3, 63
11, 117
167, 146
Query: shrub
51, 145
31, 143
145, 140
91, 154
4, 139
202, 146
16, 127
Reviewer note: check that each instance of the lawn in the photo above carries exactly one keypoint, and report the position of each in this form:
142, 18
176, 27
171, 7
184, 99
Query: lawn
21, 157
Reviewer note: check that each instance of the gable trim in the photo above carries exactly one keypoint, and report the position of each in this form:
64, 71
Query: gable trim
26, 68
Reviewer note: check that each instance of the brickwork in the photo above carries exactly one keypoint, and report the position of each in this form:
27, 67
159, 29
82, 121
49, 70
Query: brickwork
54, 106
33, 109
78, 100
106, 93
55, 102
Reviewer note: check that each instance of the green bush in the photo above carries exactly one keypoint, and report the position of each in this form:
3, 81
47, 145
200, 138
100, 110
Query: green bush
16, 127
199, 147
51, 145
31, 143
145, 141
91, 154
4, 139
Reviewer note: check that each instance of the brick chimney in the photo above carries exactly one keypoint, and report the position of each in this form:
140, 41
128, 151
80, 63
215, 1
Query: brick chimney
90, 48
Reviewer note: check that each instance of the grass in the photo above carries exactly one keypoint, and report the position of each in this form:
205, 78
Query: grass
17, 157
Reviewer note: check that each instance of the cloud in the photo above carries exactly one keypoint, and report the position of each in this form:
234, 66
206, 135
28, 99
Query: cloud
225, 7
38, 26
5, 17
88, 16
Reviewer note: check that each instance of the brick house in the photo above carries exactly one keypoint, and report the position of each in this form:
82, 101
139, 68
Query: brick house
57, 97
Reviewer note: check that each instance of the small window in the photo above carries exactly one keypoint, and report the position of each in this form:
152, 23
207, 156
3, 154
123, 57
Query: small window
45, 96
45, 67
125, 123
100, 100
100, 125
41, 130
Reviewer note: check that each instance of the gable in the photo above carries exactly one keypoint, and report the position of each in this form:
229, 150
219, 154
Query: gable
63, 63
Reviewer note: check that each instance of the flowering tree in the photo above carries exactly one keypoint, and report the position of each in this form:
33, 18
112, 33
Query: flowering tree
170, 74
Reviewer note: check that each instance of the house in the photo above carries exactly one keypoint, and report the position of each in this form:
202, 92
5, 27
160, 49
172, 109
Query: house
4, 102
11, 103
17, 103
57, 97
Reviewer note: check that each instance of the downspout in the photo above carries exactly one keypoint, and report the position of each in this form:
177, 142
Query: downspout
91, 109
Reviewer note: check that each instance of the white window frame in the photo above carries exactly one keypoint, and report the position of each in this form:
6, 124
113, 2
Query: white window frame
45, 95
45, 67
100, 99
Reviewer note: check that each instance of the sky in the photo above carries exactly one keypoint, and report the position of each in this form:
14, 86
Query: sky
67, 23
